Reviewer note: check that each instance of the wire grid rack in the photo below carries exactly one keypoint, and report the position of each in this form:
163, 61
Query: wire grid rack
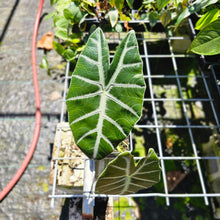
174, 94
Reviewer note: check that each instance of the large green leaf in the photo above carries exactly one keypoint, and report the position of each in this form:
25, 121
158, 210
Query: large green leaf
207, 41
105, 101
194, 7
121, 176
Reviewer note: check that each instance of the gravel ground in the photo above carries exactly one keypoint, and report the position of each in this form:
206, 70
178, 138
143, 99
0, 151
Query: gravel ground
29, 198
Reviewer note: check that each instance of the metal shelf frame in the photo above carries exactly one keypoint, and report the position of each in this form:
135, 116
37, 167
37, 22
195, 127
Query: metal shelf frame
157, 125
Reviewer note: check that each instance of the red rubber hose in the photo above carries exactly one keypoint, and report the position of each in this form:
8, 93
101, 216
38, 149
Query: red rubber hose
33, 145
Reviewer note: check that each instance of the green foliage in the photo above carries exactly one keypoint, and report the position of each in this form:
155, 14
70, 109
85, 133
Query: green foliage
192, 8
121, 176
207, 41
207, 18
162, 3
153, 18
113, 16
104, 102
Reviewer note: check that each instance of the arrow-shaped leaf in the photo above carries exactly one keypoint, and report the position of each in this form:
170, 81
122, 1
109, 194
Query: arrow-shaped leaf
105, 101
121, 176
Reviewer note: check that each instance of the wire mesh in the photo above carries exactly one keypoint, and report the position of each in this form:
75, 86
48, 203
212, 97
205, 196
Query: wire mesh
180, 108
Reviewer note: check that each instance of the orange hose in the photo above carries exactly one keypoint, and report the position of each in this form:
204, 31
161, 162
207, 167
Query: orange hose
33, 145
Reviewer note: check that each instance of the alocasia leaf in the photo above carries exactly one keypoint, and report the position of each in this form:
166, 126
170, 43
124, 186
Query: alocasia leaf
105, 101
121, 176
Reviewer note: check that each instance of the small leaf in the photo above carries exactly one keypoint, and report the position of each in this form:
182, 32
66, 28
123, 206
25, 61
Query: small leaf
153, 18
50, 15
113, 16
194, 7
69, 55
73, 13
207, 18
207, 41
59, 48
118, 28
62, 35
122, 177
105, 101
62, 24
52, 2
68, 14
119, 4
44, 63
162, 3
165, 17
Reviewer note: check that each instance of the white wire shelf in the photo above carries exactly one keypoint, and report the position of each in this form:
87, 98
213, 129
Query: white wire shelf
191, 125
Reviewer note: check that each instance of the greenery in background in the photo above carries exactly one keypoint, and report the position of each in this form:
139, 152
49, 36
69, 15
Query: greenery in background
70, 17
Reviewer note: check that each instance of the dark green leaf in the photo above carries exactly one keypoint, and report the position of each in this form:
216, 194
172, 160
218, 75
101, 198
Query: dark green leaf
207, 41
73, 13
119, 4
207, 18
153, 18
130, 3
162, 3
53, 2
122, 177
59, 48
105, 101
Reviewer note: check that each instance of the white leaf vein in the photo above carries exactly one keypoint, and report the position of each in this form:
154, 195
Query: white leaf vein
86, 134
89, 59
123, 85
85, 116
86, 96
93, 82
130, 64
115, 124
107, 140
120, 168
122, 104
111, 183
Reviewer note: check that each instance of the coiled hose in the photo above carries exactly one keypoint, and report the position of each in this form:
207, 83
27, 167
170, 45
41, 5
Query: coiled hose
33, 145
